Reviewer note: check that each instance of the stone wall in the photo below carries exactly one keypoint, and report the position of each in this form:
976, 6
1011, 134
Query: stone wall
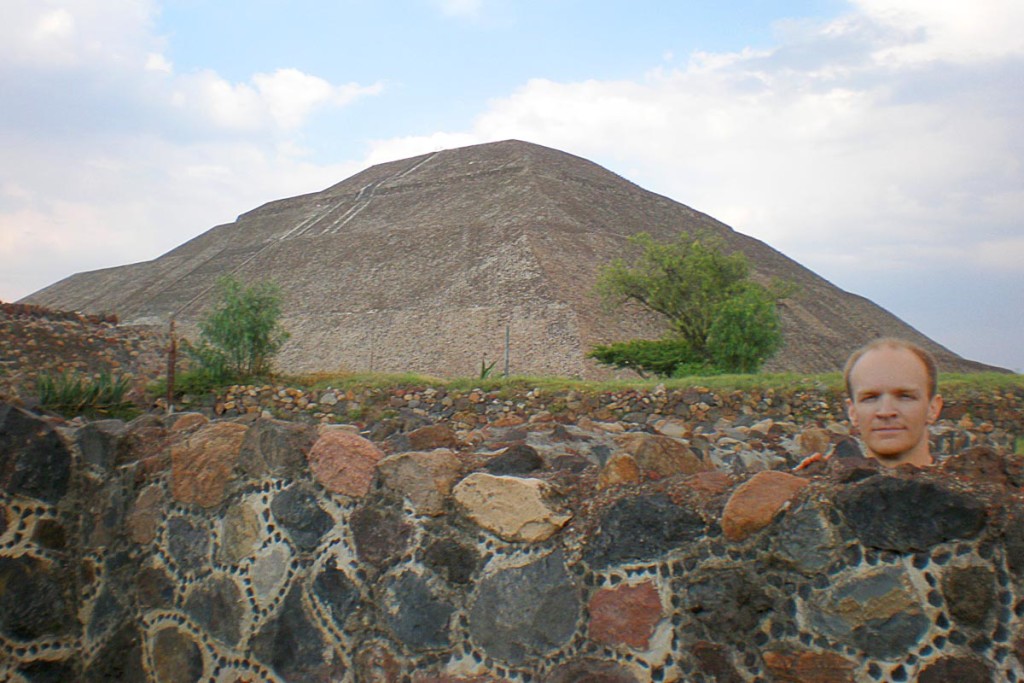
480, 538
35, 340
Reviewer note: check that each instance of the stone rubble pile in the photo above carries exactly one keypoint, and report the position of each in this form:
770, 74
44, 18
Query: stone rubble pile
35, 340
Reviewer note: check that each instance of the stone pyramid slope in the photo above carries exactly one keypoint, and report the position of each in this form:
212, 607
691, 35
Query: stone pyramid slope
422, 264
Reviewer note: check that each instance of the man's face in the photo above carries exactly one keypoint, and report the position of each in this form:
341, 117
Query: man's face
891, 406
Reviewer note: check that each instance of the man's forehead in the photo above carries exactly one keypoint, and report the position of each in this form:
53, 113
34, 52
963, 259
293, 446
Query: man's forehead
887, 362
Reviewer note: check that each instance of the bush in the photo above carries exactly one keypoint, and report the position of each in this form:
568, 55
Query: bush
664, 357
71, 395
240, 336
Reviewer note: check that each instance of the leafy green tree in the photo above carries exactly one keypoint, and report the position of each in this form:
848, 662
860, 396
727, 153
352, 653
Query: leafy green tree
746, 330
240, 336
718, 318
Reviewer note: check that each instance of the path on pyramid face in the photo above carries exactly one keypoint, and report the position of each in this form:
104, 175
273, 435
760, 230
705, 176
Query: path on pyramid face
422, 264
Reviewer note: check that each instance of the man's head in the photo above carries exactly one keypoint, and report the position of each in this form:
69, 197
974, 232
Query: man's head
893, 399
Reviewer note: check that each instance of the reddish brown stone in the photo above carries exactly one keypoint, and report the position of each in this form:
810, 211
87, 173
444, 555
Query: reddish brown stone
957, 669
756, 502
176, 657
188, 423
344, 462
814, 440
661, 456
591, 671
146, 514
713, 660
376, 663
625, 615
425, 479
621, 468
714, 482
981, 463
509, 421
202, 464
809, 667
432, 436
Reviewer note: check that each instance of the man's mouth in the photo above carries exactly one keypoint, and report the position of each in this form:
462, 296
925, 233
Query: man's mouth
888, 430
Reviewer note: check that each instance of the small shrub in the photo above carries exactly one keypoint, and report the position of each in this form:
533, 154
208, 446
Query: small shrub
241, 335
70, 395
663, 357
486, 368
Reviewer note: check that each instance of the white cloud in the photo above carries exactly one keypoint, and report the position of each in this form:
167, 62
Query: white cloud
819, 155
950, 29
290, 95
461, 8
111, 157
76, 33
281, 100
157, 62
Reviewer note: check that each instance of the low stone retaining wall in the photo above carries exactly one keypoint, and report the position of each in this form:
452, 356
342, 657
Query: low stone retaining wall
526, 546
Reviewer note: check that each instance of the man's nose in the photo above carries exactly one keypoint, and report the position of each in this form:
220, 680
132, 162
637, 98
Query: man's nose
887, 406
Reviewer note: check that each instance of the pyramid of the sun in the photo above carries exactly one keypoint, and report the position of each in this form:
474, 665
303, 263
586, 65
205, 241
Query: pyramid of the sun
421, 265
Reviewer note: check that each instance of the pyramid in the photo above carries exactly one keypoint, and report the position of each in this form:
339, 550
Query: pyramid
430, 264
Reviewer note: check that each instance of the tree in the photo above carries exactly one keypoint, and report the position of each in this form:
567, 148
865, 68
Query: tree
746, 330
717, 316
240, 336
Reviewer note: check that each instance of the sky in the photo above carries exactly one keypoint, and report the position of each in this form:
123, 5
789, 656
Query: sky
879, 143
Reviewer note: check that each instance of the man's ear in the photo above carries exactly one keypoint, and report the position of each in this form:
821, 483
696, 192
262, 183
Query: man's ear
934, 408
850, 412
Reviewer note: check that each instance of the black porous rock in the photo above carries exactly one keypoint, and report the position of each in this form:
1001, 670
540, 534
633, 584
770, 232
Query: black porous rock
188, 544
34, 461
120, 659
729, 603
381, 535
291, 645
958, 669
107, 613
49, 672
418, 616
336, 591
144, 437
1014, 543
517, 459
49, 533
805, 540
890, 638
216, 605
275, 448
31, 602
299, 514
907, 515
638, 529
970, 593
97, 441
876, 611
591, 671
451, 560
527, 611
